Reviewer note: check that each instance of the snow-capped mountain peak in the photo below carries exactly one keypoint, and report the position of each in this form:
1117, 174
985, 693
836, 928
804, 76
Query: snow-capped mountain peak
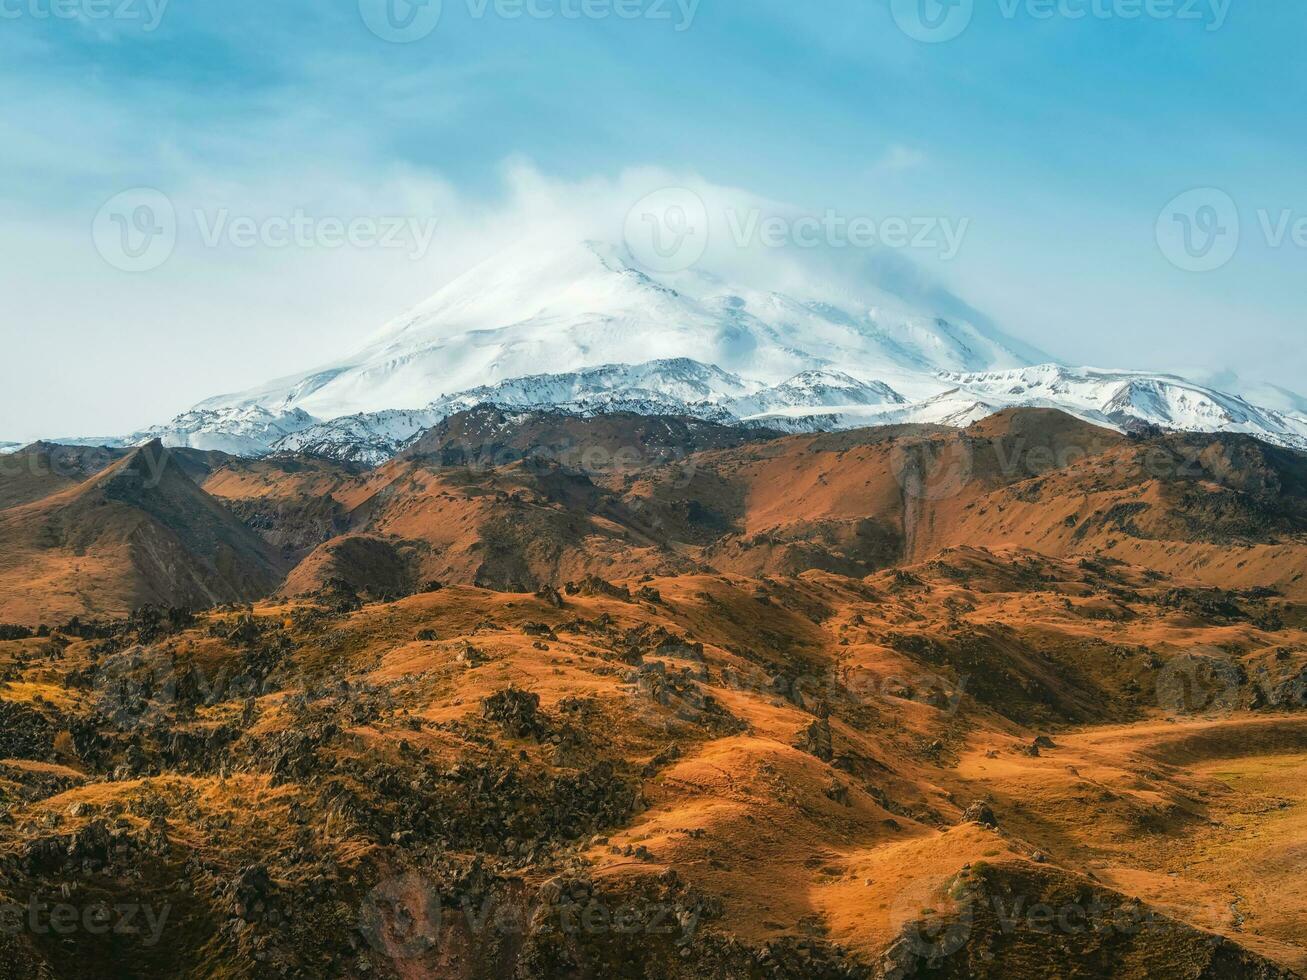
615, 338
588, 306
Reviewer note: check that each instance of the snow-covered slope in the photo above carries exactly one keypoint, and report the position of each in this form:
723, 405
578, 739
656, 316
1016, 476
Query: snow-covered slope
677, 381
1117, 399
367, 439
1273, 397
954, 406
815, 389
818, 400
570, 309
246, 431
671, 387
1126, 399
9, 447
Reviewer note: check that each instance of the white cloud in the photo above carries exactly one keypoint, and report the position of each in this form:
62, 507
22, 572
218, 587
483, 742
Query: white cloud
898, 158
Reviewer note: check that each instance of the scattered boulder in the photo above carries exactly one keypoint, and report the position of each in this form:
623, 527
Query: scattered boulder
539, 629
816, 740
516, 711
470, 656
552, 596
982, 813
839, 793
593, 585
253, 896
649, 594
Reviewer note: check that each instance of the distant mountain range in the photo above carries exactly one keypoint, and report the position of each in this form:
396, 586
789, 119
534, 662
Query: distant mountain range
615, 339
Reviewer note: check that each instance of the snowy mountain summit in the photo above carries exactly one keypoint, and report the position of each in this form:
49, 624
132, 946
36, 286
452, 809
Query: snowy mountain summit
615, 338
589, 307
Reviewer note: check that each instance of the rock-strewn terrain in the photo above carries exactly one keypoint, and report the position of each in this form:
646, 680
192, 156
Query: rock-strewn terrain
897, 703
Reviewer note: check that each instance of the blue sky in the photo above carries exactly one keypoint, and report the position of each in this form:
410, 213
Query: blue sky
1060, 139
